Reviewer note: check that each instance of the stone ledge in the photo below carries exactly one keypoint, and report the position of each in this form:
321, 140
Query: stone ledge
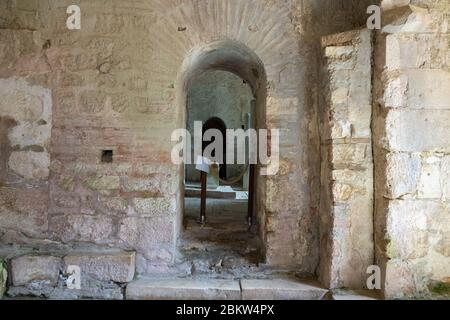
218, 289
356, 295
282, 289
116, 267
185, 289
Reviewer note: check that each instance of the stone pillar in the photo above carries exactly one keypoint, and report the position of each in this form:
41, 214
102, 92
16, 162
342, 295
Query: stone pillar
412, 145
347, 166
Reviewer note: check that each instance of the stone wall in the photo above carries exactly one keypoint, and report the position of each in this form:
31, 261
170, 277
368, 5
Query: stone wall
411, 135
346, 232
113, 86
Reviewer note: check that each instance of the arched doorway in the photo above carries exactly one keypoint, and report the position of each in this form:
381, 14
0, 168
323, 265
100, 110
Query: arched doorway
227, 238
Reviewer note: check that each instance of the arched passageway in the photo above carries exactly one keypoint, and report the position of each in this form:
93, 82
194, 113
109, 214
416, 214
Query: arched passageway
223, 88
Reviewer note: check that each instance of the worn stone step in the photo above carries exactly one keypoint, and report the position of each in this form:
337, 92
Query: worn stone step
183, 289
218, 289
281, 289
356, 295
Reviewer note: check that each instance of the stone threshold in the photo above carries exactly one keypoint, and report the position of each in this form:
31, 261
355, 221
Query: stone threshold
221, 289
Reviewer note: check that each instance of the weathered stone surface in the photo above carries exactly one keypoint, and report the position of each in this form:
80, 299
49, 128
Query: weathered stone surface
281, 289
117, 267
185, 289
399, 281
445, 178
96, 229
349, 154
347, 177
430, 184
34, 268
409, 130
3, 278
143, 233
402, 174
411, 89
99, 291
103, 182
155, 206
356, 295
407, 229
30, 164
24, 210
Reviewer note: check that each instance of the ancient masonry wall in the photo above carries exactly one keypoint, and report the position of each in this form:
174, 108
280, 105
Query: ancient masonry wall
111, 86
66, 96
412, 146
346, 229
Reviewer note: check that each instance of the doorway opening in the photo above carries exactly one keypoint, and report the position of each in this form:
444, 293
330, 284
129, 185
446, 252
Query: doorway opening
222, 84
220, 100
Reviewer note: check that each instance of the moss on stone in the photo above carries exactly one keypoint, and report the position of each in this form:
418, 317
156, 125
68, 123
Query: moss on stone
441, 288
3, 277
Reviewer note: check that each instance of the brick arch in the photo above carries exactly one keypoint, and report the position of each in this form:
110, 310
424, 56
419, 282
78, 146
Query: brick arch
265, 29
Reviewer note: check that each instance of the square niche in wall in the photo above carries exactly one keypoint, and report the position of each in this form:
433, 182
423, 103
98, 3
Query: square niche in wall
107, 156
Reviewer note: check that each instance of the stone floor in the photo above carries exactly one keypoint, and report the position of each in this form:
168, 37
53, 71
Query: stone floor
225, 245
221, 289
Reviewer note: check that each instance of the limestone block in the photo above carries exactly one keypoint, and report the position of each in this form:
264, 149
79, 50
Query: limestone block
412, 19
407, 228
30, 268
349, 154
445, 177
430, 179
66, 200
142, 184
443, 245
142, 233
360, 118
117, 267
341, 129
96, 229
24, 210
20, 105
402, 174
114, 204
103, 182
344, 192
409, 130
79, 62
281, 289
30, 135
414, 51
155, 206
392, 4
30, 164
360, 91
395, 91
399, 280
340, 57
184, 289
92, 101
339, 96
428, 89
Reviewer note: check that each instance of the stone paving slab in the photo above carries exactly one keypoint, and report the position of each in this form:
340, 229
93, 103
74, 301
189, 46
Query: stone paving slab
281, 289
356, 295
217, 289
183, 289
